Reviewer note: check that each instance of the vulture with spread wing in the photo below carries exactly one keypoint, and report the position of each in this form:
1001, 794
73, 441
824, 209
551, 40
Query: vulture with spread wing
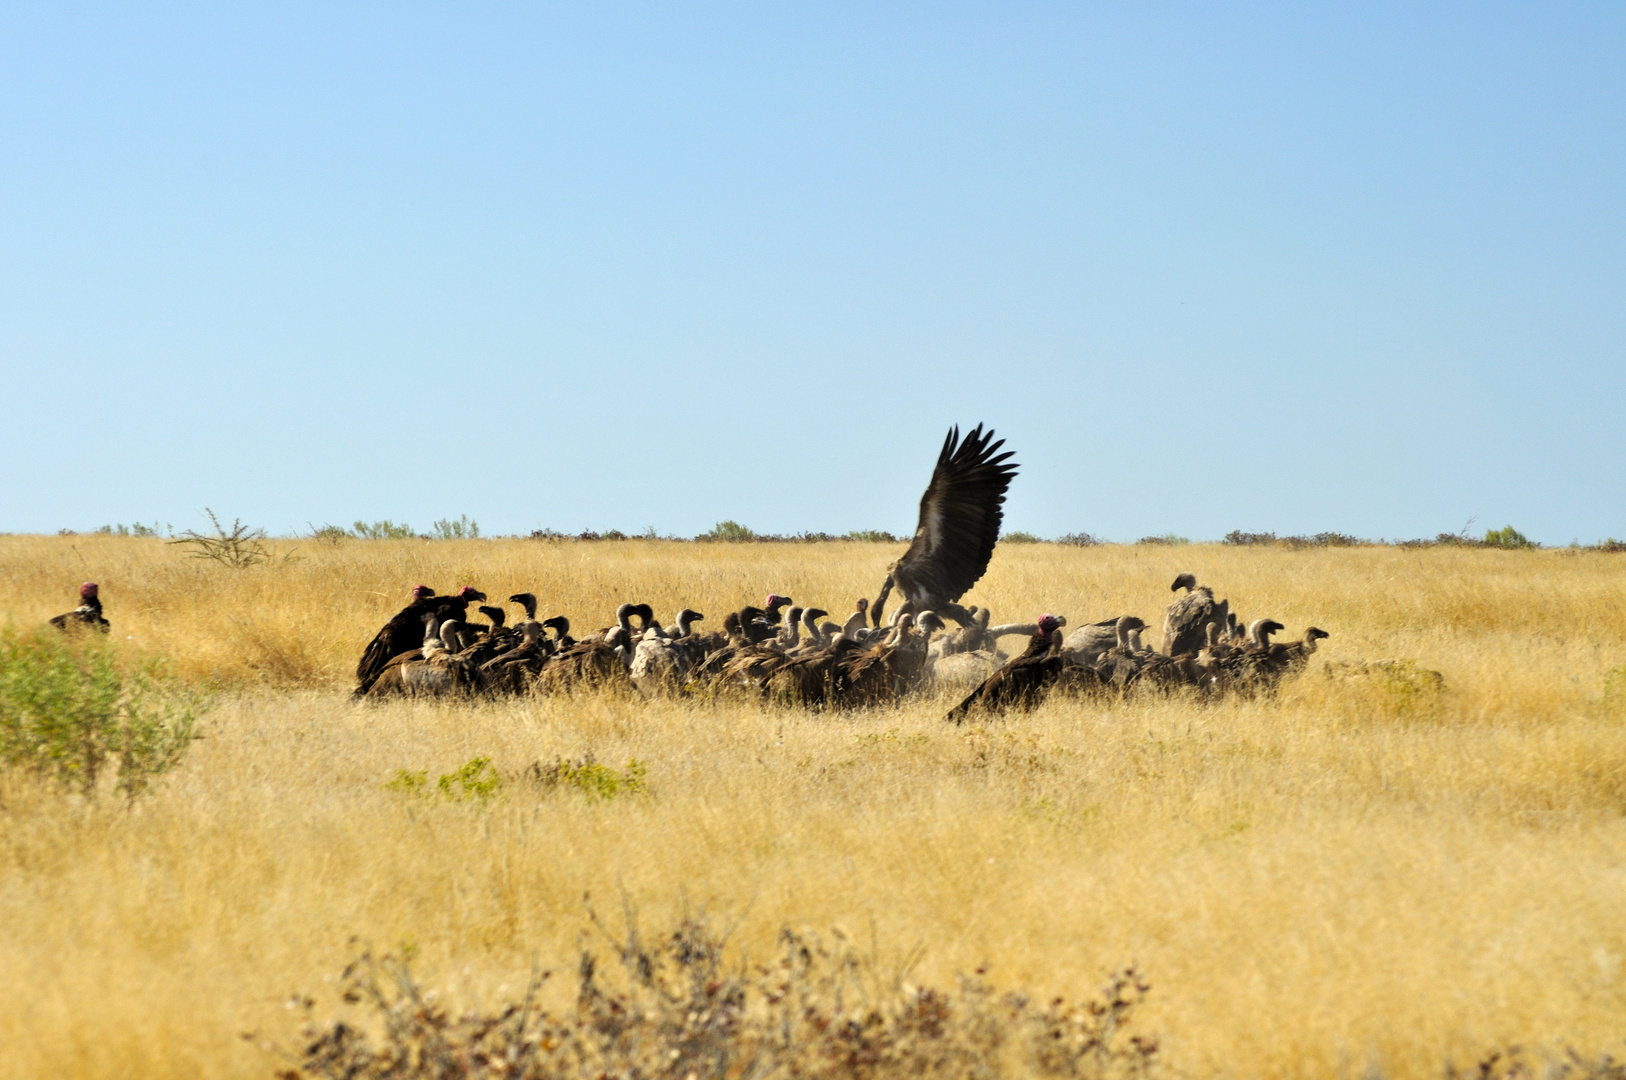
960, 516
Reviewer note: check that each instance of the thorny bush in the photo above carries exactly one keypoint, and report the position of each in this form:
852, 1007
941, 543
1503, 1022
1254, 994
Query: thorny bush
817, 1011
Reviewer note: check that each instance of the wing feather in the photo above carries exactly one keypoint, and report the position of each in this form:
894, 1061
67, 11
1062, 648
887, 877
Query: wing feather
960, 516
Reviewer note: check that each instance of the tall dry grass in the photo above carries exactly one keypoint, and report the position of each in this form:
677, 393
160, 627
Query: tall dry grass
1346, 875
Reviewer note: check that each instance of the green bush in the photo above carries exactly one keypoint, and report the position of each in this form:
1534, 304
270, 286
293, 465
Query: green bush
476, 779
871, 536
383, 530
729, 531
1020, 537
71, 712
1506, 537
587, 775
464, 528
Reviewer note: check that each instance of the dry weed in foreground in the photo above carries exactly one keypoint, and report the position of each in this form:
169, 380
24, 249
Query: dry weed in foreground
818, 1011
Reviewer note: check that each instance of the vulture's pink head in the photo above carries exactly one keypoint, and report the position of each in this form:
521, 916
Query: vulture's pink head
88, 590
1048, 623
422, 592
775, 598
469, 592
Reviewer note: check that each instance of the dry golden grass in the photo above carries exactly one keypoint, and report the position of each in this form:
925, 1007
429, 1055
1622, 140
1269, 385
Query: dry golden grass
1340, 876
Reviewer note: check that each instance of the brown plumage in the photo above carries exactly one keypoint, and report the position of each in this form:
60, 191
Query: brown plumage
405, 631
432, 669
594, 662
1025, 680
960, 516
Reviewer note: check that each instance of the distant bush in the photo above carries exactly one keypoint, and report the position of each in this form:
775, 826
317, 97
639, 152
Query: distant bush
1079, 539
68, 711
672, 1008
383, 530
137, 529
1610, 544
871, 536
240, 547
729, 532
608, 534
1506, 537
463, 528
330, 534
1021, 537
1248, 539
1321, 539
1166, 538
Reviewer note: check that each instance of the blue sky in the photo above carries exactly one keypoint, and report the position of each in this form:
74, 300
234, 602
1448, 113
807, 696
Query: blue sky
1274, 268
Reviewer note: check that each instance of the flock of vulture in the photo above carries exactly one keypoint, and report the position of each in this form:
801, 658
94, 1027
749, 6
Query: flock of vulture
791, 654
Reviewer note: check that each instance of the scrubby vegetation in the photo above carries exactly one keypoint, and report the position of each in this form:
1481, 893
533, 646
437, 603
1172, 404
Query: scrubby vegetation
72, 712
675, 1007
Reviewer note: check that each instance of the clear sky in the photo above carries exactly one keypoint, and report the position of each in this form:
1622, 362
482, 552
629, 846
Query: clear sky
1289, 268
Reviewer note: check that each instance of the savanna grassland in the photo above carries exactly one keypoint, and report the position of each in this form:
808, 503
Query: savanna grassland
1351, 874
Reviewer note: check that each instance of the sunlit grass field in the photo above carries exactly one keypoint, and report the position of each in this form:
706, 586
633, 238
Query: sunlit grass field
1351, 875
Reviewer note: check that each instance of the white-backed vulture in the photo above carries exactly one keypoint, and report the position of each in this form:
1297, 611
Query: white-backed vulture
960, 516
1186, 620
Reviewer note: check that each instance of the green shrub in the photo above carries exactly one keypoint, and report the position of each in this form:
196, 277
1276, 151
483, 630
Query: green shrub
463, 528
588, 775
1506, 537
383, 530
137, 529
1079, 539
1166, 538
476, 779
871, 536
70, 712
1021, 537
730, 532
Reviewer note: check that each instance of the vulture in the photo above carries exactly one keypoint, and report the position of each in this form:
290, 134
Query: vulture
88, 615
1026, 679
960, 515
1088, 643
660, 662
405, 631
512, 670
594, 661
1186, 621
857, 620
885, 672
771, 606
431, 668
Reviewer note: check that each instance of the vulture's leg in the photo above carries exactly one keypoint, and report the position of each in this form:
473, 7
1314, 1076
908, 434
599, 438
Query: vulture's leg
880, 601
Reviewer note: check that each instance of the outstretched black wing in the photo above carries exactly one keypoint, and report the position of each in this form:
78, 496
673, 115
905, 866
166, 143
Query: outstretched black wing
960, 515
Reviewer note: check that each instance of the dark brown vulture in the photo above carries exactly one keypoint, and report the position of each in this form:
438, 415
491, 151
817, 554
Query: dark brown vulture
960, 515
88, 615
1026, 679
404, 632
1185, 623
